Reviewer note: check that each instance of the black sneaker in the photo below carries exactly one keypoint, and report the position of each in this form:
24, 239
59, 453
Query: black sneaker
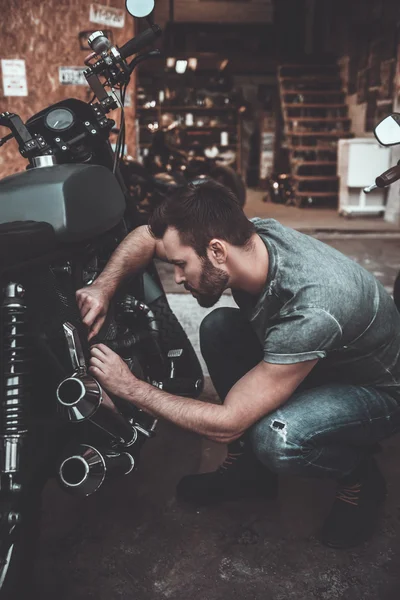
241, 475
354, 514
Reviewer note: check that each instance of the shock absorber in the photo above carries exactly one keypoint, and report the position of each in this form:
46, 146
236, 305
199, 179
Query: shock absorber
15, 389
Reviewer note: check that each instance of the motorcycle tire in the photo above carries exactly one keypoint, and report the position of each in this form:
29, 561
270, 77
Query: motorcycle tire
231, 180
172, 336
17, 571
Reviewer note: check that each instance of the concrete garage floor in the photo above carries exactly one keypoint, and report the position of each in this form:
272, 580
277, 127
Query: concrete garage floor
133, 541
313, 219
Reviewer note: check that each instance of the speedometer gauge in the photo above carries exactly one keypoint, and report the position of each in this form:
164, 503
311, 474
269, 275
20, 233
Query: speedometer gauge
59, 119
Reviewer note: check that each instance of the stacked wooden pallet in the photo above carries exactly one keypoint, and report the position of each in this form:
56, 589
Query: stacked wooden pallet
315, 116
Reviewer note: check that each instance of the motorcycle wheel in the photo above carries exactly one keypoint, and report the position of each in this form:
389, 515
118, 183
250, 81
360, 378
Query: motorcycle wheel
231, 180
172, 336
20, 547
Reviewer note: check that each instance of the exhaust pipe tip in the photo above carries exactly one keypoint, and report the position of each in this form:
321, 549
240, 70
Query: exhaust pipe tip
82, 398
71, 391
84, 472
80, 395
74, 471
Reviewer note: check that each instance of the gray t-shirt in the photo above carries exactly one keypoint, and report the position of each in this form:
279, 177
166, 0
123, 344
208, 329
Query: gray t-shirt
317, 303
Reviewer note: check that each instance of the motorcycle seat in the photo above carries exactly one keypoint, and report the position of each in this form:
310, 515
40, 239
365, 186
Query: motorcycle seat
21, 241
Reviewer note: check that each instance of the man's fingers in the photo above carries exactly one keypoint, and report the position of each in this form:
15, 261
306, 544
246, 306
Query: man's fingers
96, 372
95, 351
96, 362
82, 299
96, 327
105, 350
90, 316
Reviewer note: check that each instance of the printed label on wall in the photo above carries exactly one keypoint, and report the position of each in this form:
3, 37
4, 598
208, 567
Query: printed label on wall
72, 76
14, 77
107, 15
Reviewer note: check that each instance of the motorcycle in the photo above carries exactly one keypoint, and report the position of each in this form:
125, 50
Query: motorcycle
167, 168
387, 132
280, 189
60, 221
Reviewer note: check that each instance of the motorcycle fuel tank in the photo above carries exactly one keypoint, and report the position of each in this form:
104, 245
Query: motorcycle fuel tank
79, 201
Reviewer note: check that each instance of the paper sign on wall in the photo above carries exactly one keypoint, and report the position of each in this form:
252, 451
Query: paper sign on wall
107, 15
14, 77
72, 75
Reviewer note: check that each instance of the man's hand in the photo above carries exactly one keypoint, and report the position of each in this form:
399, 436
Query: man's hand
93, 302
111, 371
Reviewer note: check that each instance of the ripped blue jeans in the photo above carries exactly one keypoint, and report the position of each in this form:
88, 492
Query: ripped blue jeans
322, 431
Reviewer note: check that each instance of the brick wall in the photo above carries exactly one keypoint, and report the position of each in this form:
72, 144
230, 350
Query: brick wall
45, 34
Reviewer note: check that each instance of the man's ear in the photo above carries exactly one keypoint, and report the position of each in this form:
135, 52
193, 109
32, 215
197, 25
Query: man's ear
218, 250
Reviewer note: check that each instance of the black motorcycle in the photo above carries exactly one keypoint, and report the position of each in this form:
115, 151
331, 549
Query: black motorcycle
387, 132
280, 189
60, 221
167, 168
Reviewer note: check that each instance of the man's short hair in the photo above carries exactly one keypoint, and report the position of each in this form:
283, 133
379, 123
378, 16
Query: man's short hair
201, 212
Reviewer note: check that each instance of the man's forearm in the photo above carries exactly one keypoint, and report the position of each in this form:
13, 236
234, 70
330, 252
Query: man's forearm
209, 420
133, 254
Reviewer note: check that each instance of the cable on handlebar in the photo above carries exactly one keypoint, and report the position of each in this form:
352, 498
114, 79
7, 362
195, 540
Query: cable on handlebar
120, 145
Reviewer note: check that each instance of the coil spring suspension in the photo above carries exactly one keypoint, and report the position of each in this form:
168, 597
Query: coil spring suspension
14, 364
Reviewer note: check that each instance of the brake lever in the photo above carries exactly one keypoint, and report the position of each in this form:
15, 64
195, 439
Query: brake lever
5, 139
141, 57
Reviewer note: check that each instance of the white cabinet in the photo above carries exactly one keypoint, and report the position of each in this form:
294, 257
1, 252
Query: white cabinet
360, 161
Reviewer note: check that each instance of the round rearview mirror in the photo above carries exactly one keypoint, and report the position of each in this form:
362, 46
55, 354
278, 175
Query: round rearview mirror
387, 132
139, 8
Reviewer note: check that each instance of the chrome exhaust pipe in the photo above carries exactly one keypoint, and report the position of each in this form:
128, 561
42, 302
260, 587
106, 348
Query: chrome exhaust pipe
84, 399
85, 471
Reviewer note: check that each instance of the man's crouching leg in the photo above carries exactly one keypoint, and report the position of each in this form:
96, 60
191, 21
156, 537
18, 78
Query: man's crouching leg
330, 431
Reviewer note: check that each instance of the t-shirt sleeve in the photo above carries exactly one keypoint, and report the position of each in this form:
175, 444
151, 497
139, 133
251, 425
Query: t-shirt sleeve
300, 335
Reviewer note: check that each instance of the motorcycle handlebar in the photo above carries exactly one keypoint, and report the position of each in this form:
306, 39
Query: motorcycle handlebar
143, 39
388, 177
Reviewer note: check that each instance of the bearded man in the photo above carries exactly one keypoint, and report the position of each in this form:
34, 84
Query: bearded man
307, 368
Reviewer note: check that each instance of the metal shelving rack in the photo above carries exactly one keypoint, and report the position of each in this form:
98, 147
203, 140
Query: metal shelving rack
235, 127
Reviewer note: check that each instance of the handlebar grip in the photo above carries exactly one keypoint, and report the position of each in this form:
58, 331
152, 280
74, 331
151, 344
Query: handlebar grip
143, 39
388, 177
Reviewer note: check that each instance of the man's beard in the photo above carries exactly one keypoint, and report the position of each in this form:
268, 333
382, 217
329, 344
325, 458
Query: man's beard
213, 282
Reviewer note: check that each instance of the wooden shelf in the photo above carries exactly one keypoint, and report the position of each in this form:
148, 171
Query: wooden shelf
315, 177
313, 92
200, 128
207, 134
164, 108
311, 149
218, 144
306, 66
303, 105
309, 163
318, 119
334, 134
310, 77
319, 126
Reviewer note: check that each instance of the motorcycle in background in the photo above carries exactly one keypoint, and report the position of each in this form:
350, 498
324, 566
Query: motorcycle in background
168, 167
387, 132
280, 190
60, 221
